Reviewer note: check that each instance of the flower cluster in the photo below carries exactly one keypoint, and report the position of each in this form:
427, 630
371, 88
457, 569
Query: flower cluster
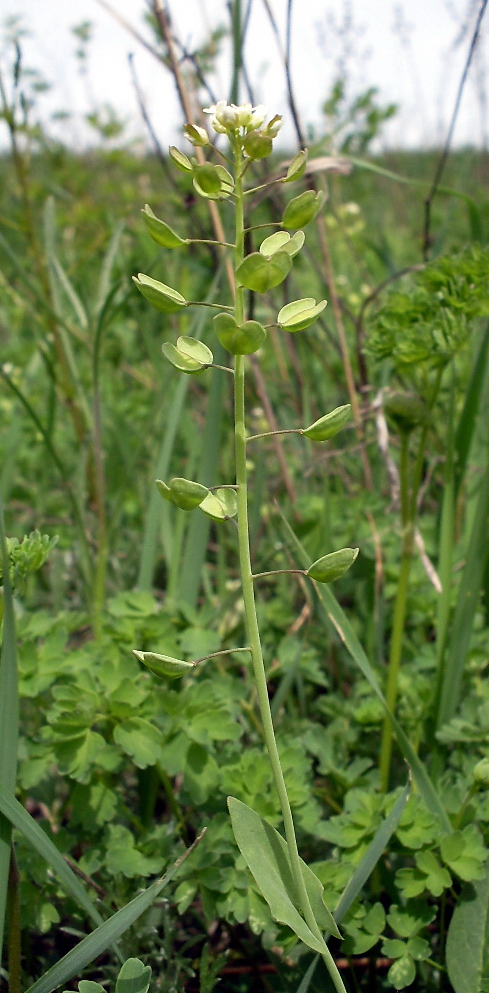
229, 118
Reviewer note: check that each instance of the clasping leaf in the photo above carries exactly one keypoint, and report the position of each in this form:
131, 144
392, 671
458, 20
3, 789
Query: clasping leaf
266, 855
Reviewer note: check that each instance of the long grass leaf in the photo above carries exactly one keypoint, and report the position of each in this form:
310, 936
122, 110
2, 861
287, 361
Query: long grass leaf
467, 601
9, 719
337, 617
104, 288
65, 282
374, 851
94, 944
468, 417
17, 815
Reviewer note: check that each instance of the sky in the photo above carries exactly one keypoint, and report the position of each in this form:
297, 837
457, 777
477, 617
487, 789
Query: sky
413, 52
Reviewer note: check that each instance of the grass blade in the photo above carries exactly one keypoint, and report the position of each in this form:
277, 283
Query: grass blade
467, 601
468, 417
336, 616
17, 815
94, 944
372, 855
9, 719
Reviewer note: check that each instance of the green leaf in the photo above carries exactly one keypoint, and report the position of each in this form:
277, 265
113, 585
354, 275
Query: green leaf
161, 296
220, 505
328, 425
139, 739
302, 209
467, 949
239, 339
161, 232
189, 355
134, 977
300, 314
332, 566
164, 665
123, 856
38, 839
402, 972
261, 274
374, 851
88, 986
183, 493
266, 855
464, 853
96, 943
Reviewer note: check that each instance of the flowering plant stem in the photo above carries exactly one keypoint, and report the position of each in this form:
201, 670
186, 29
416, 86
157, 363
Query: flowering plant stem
248, 589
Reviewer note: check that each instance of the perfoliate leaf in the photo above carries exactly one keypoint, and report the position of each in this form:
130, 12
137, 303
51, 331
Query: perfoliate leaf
266, 855
183, 493
297, 167
164, 665
332, 566
160, 295
261, 274
161, 232
189, 355
181, 160
328, 425
239, 339
300, 314
220, 504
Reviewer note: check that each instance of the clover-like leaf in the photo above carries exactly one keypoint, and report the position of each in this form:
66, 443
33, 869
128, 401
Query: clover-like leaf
296, 167
427, 875
239, 339
189, 355
302, 209
181, 160
300, 314
134, 977
464, 853
160, 295
261, 274
220, 505
207, 181
183, 493
329, 424
332, 566
164, 665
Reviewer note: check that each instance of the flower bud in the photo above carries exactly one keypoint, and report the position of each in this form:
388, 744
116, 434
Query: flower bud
198, 136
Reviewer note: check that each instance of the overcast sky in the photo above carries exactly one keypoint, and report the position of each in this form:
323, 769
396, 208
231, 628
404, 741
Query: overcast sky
412, 50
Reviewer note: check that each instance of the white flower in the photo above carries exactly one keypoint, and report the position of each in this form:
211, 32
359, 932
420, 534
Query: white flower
230, 117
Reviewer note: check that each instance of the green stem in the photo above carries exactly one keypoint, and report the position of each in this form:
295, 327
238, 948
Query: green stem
249, 599
409, 509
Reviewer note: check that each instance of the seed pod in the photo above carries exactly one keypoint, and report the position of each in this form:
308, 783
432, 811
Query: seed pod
329, 425
164, 665
332, 566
